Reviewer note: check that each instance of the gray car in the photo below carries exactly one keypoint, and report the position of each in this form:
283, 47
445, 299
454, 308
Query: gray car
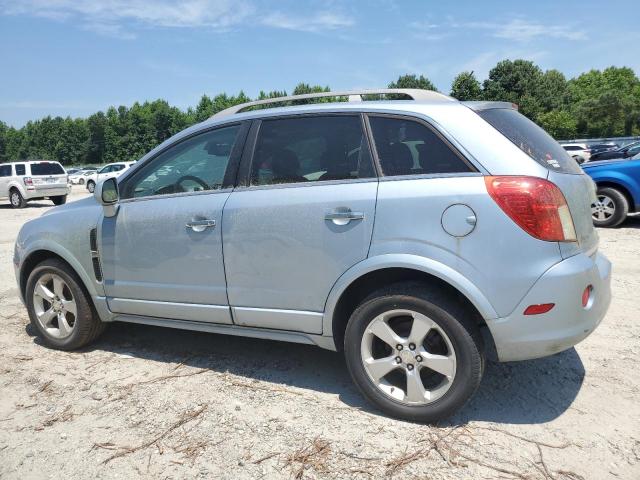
418, 237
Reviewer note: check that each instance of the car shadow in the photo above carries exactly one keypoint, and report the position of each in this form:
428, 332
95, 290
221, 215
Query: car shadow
535, 391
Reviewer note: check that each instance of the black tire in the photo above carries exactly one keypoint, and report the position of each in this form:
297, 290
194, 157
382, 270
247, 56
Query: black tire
458, 324
91, 186
578, 159
59, 200
620, 205
87, 325
16, 199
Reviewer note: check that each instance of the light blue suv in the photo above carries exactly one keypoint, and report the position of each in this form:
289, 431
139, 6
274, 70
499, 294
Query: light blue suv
417, 236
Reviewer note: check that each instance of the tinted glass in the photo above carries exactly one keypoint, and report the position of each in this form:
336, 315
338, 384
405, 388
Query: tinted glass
308, 149
5, 170
572, 148
196, 164
531, 139
20, 170
406, 147
116, 168
46, 168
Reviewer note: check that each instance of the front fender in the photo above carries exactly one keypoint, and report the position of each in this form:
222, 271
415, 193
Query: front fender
412, 262
621, 178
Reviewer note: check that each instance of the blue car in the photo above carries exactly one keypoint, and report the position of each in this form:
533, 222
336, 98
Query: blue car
618, 182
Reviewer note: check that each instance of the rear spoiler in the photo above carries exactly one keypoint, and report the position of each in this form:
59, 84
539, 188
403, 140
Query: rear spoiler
486, 105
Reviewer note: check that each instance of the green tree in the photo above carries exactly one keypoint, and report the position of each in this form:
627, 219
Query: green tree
466, 87
517, 81
413, 81
560, 124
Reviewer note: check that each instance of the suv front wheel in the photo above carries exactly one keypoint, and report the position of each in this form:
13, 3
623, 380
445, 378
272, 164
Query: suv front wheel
59, 309
414, 353
91, 186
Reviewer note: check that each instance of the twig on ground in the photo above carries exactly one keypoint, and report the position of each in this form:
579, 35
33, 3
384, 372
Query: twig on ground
313, 456
525, 439
187, 417
266, 457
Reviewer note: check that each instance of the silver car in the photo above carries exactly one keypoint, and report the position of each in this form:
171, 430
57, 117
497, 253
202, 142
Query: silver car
417, 236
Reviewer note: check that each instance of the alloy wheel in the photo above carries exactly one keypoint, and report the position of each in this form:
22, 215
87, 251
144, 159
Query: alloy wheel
54, 305
15, 199
603, 208
408, 357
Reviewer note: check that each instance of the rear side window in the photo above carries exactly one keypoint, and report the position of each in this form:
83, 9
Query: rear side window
5, 170
310, 149
571, 148
46, 168
531, 139
407, 147
20, 170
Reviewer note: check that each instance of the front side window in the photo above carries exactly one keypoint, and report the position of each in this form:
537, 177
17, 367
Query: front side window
5, 170
46, 168
20, 170
406, 147
310, 149
106, 169
196, 164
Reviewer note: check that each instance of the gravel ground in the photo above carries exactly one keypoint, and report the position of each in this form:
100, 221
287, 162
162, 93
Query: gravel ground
161, 403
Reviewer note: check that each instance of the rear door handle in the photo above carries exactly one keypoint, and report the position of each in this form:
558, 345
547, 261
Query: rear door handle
342, 216
200, 225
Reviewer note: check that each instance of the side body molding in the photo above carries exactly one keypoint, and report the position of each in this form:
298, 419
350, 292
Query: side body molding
411, 262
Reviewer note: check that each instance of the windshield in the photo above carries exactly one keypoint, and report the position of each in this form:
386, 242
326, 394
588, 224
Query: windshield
531, 139
46, 168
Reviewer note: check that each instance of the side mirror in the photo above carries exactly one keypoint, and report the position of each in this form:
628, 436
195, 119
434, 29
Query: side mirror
106, 193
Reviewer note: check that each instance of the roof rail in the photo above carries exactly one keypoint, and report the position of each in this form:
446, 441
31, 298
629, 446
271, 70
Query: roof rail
354, 96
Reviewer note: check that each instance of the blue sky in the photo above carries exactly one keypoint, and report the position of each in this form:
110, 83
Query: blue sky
74, 57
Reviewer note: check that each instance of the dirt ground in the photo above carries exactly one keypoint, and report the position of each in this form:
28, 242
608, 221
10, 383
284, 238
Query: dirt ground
161, 403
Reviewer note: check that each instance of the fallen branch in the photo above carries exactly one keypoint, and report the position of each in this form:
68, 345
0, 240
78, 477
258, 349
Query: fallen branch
187, 417
525, 439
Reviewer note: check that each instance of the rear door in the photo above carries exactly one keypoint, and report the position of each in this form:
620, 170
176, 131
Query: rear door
303, 217
48, 176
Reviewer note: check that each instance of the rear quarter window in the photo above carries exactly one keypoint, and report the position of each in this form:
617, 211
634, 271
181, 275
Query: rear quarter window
46, 168
531, 139
20, 169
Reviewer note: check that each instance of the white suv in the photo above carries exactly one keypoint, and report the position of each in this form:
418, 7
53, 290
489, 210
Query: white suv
33, 180
108, 171
580, 152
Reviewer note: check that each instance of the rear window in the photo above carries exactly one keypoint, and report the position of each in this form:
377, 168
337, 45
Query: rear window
531, 139
46, 168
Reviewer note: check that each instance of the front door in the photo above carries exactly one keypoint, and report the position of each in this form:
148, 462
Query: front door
162, 252
305, 217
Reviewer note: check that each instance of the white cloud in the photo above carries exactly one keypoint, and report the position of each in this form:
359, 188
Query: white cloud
521, 30
118, 18
312, 23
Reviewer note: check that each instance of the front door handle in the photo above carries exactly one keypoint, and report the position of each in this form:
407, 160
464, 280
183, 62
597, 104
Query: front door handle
200, 225
342, 216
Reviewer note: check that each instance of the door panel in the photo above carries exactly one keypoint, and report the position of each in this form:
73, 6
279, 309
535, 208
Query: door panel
153, 261
281, 252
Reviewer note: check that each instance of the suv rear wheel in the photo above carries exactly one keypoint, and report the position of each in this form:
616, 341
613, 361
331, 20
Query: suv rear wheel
59, 200
59, 309
610, 209
16, 199
414, 353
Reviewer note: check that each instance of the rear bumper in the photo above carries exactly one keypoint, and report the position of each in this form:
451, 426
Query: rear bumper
42, 191
522, 337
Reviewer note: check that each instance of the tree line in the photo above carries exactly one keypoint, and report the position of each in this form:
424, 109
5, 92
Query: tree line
594, 104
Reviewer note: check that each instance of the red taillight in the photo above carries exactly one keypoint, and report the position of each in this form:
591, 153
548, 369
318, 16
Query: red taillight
586, 295
538, 309
535, 204
28, 181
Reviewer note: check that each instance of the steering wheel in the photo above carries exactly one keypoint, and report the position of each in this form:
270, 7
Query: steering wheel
199, 181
